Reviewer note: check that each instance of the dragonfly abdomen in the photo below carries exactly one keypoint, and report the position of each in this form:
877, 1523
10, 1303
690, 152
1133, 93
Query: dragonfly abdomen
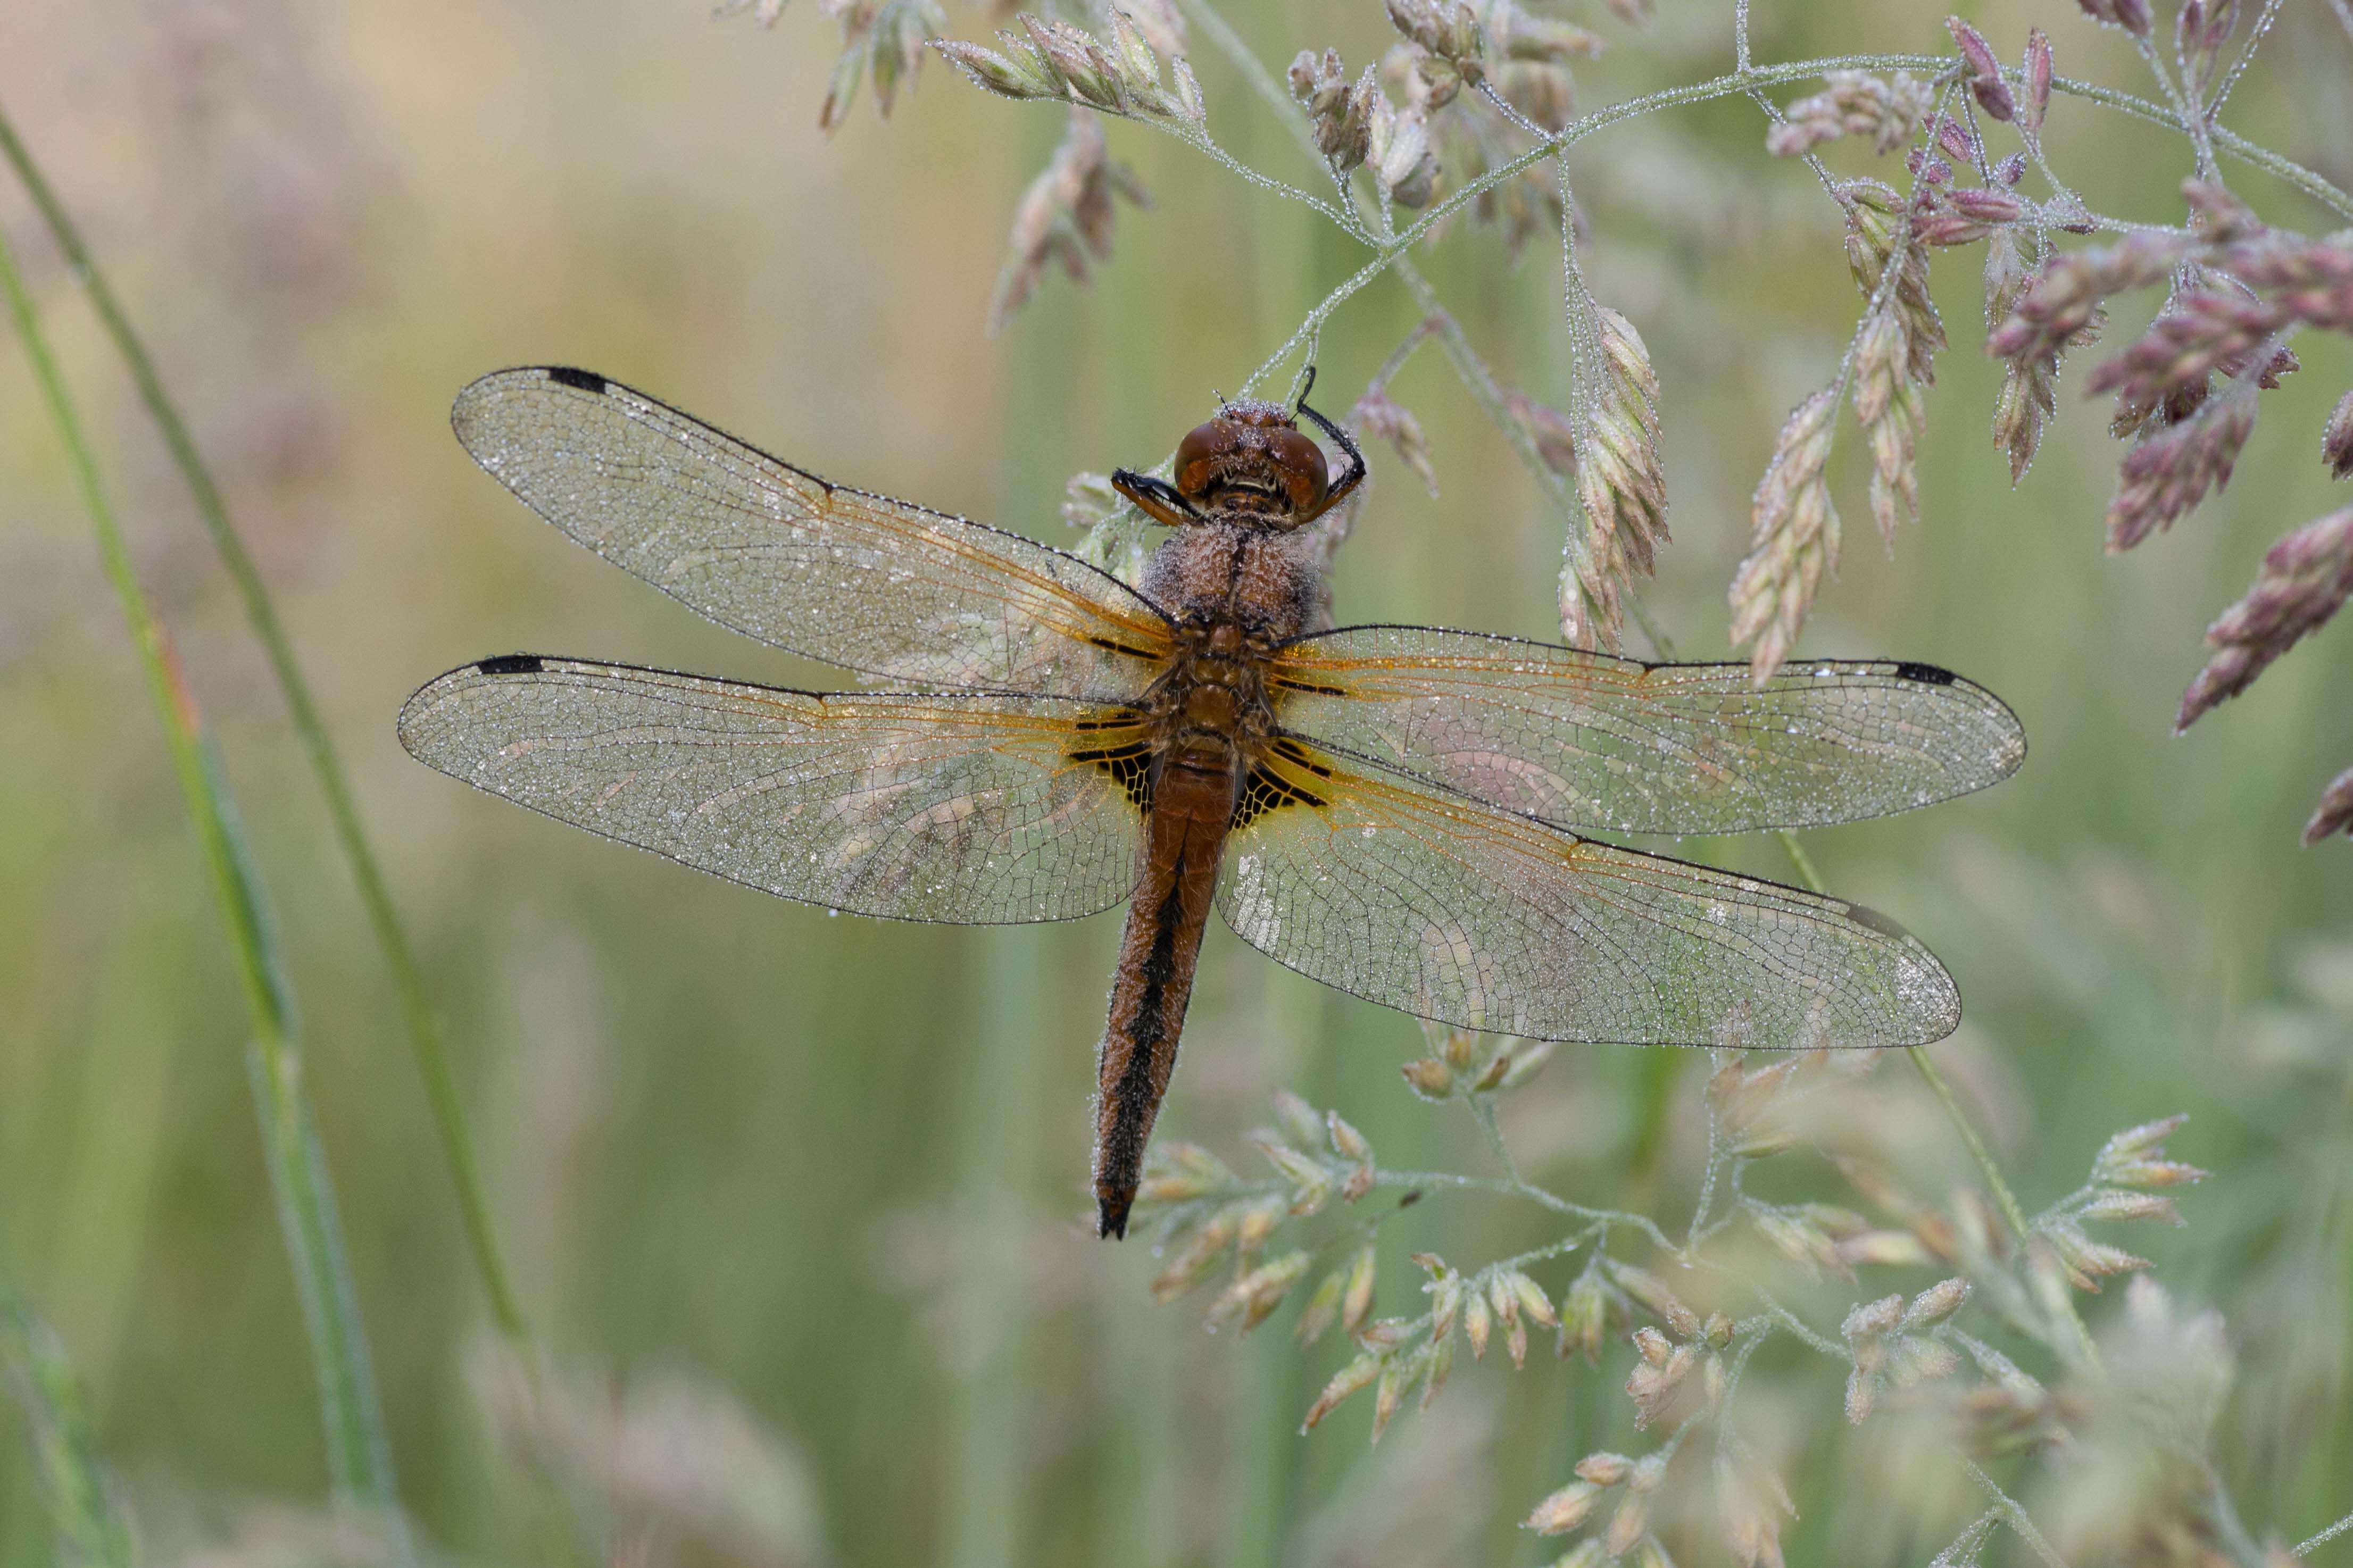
1184, 836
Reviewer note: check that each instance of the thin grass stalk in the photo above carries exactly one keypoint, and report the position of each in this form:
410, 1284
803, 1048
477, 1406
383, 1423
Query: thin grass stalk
1980, 1155
426, 1040
359, 1458
1265, 1373
988, 1420
996, 1129
85, 1520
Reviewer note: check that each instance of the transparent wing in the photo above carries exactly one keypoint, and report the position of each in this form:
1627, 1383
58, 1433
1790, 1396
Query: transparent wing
970, 808
876, 585
1440, 907
1612, 745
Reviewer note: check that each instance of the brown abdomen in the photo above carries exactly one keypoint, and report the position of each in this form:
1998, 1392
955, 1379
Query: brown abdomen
1192, 806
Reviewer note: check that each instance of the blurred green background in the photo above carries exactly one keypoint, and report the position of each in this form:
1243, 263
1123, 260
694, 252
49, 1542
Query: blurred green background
835, 1166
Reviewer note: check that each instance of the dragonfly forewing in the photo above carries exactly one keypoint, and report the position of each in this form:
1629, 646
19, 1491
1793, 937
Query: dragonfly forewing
891, 590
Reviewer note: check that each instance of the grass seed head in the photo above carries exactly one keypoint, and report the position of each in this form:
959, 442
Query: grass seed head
2334, 814
1794, 531
1890, 1248
1302, 1123
2038, 72
1654, 1383
1357, 1374
1398, 151
1258, 1222
1851, 103
1340, 110
2063, 304
1627, 1525
1389, 1392
1605, 1469
1984, 78
1344, 1139
2116, 1205
2135, 1157
2336, 440
1799, 1240
2201, 28
1251, 1299
1357, 1303
1750, 1503
1051, 58
2167, 474
2132, 16
1936, 1304
884, 41
1194, 1259
1429, 1077
1066, 217
1447, 31
1584, 1311
1323, 1308
1620, 478
1564, 1509
1521, 35
2303, 580
1379, 417
2201, 332
1310, 1181
1436, 1361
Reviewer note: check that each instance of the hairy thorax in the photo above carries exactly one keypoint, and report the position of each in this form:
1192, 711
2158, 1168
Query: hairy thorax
1237, 592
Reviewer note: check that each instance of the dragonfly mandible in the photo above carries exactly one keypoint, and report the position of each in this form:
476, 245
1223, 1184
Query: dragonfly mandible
1403, 813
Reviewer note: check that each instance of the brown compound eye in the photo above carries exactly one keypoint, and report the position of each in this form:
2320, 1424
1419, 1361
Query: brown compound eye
1202, 456
1300, 462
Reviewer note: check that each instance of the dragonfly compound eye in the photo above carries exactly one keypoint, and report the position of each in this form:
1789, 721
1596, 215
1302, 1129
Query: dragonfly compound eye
1300, 461
1204, 456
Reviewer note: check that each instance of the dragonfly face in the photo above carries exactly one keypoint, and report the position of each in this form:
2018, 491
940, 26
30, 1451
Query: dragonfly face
1250, 465
1400, 812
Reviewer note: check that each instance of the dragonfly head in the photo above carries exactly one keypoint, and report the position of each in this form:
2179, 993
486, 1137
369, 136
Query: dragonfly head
1253, 460
1252, 465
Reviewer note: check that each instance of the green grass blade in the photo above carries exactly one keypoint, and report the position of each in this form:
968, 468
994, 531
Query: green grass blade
424, 1027
358, 1456
86, 1520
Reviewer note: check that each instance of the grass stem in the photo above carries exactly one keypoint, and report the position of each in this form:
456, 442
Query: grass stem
359, 1457
85, 1520
424, 1027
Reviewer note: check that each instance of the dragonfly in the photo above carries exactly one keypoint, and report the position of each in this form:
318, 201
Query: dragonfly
1410, 814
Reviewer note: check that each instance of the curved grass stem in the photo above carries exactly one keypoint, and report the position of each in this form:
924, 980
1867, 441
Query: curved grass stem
2014, 1514
359, 1457
426, 1040
2343, 1525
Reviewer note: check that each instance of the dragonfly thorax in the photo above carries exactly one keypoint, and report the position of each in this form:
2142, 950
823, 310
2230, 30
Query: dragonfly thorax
1236, 590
